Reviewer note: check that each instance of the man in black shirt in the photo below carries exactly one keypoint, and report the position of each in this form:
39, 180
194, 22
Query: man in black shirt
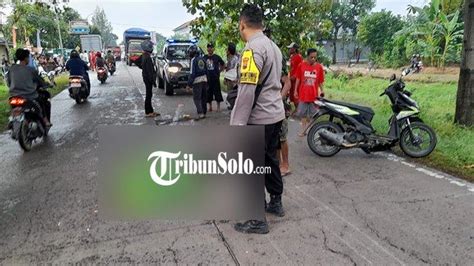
215, 65
149, 76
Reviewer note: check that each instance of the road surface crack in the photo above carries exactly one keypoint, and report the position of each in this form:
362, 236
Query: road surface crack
173, 251
226, 244
344, 255
410, 253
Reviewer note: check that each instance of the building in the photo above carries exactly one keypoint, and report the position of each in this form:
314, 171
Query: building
185, 28
346, 51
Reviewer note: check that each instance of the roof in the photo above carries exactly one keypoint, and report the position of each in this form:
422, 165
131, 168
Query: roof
185, 25
136, 30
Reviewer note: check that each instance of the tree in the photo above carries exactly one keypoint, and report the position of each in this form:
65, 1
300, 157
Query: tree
378, 28
439, 32
289, 20
345, 15
160, 42
29, 18
66, 15
465, 97
99, 20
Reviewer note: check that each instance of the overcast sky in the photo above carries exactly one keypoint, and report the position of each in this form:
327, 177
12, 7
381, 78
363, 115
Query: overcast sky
164, 15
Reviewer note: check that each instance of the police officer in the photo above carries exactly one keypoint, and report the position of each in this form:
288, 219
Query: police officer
259, 102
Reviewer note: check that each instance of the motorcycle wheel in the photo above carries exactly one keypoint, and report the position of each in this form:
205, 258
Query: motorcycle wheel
418, 140
78, 100
25, 142
317, 145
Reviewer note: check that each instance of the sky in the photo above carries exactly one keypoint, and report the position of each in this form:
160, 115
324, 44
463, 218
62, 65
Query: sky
164, 15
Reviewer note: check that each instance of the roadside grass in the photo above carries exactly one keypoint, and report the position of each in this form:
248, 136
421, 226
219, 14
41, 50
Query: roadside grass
61, 83
455, 150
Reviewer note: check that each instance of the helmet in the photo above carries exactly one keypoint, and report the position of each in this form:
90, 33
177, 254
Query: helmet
74, 54
147, 46
192, 51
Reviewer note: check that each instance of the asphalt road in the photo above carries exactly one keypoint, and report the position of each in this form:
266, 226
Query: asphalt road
350, 209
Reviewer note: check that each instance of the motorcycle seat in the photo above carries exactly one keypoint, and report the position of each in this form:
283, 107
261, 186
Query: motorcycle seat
363, 109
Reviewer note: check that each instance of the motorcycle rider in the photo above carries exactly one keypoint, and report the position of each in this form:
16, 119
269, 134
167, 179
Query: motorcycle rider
110, 58
99, 61
24, 81
77, 67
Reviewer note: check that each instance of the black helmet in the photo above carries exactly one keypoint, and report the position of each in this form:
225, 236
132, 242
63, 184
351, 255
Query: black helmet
74, 54
147, 46
193, 51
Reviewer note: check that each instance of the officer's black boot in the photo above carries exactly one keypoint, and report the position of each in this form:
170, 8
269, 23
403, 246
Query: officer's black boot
252, 227
275, 206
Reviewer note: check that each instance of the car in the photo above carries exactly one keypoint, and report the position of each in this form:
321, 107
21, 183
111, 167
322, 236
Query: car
173, 65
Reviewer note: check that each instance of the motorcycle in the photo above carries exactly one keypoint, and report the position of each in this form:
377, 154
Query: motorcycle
414, 68
349, 126
78, 89
102, 74
47, 75
26, 120
111, 68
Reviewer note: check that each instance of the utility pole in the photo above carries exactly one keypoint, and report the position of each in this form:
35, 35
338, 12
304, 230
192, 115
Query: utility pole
465, 97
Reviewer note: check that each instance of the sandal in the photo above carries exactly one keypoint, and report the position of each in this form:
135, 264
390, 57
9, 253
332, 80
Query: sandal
283, 174
152, 114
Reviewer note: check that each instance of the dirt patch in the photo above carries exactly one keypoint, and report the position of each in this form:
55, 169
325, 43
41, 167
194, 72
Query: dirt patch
428, 75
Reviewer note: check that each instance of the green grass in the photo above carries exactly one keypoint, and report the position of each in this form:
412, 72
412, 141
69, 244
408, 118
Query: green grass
61, 83
455, 150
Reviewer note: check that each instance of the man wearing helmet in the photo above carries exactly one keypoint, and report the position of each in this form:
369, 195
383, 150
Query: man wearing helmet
149, 76
198, 80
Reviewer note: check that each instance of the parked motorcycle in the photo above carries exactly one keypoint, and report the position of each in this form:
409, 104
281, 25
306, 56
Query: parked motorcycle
102, 74
78, 89
111, 68
349, 126
26, 121
50, 76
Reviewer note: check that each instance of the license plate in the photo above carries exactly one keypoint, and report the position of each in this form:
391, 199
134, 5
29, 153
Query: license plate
16, 117
76, 85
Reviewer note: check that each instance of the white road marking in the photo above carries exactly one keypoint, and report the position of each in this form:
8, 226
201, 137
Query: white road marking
437, 175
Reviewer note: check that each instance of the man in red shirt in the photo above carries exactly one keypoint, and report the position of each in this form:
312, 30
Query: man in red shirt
309, 81
295, 60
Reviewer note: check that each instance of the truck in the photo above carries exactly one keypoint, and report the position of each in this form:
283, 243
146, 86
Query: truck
91, 42
132, 39
173, 65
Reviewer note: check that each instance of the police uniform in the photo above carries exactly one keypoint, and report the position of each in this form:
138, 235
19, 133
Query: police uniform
261, 64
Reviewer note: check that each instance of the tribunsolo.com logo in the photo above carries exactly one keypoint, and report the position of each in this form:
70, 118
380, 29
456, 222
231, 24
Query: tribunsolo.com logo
166, 167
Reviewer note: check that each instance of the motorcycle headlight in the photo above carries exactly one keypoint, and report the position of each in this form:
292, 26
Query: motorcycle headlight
173, 69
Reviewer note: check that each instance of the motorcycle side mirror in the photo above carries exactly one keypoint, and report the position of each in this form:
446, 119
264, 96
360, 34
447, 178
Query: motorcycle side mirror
393, 77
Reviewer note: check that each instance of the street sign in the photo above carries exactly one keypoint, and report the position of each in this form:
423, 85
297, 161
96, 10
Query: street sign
79, 27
